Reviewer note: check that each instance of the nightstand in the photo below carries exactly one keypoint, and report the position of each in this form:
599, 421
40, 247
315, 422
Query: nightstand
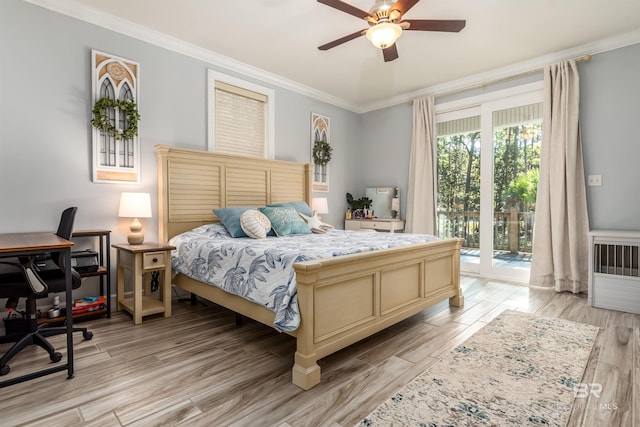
140, 259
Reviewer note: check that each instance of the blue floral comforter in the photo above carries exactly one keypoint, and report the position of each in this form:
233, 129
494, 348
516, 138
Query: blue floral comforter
261, 270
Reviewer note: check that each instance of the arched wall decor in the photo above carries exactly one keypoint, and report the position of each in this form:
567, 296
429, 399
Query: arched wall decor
320, 151
115, 159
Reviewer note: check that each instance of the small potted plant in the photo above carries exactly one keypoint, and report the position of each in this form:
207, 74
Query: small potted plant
358, 206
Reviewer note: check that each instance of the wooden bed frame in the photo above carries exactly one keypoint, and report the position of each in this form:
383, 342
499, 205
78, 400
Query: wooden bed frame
342, 299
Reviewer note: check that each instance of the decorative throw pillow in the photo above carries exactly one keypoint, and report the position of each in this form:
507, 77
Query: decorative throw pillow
315, 223
301, 206
230, 218
255, 224
285, 220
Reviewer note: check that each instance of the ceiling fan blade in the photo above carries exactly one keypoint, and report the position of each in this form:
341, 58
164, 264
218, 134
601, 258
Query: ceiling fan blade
341, 40
346, 8
404, 5
448, 25
390, 53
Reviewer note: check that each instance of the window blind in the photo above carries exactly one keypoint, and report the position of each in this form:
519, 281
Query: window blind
517, 115
458, 126
509, 117
240, 117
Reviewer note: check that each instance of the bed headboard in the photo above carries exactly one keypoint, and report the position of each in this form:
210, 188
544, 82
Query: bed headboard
191, 183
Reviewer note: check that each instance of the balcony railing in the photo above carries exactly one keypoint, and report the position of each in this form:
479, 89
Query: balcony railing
512, 231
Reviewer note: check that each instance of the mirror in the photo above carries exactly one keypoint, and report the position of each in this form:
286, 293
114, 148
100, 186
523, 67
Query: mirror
385, 201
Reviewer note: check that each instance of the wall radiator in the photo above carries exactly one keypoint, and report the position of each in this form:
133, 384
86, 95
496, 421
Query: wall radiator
614, 277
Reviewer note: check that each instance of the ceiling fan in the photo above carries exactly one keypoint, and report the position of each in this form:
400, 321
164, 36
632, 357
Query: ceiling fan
386, 24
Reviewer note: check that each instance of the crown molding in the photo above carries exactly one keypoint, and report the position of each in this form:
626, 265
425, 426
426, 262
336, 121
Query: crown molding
84, 13
519, 69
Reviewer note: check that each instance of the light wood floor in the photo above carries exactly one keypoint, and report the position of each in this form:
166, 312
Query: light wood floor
198, 369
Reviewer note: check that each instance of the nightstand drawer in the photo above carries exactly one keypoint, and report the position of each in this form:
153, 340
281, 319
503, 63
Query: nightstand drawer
380, 224
153, 260
375, 225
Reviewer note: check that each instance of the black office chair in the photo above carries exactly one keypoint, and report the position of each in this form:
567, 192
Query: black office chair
21, 278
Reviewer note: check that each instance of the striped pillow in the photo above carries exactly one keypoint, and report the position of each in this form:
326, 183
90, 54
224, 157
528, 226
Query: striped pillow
255, 224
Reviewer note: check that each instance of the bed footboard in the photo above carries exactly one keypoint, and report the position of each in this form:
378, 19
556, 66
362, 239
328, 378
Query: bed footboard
345, 299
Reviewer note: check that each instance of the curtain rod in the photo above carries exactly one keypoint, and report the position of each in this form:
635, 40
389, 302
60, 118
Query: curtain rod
584, 58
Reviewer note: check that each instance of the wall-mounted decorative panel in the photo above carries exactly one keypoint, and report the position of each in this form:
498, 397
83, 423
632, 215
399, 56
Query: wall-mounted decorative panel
319, 142
116, 155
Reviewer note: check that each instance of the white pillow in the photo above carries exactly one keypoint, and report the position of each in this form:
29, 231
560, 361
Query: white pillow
315, 223
255, 224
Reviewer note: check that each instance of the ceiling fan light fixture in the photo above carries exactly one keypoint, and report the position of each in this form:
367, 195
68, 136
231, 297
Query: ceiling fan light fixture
384, 34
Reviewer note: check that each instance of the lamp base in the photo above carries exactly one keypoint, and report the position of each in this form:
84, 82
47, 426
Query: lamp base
135, 237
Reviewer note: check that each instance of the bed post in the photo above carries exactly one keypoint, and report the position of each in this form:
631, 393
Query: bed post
162, 153
458, 299
306, 371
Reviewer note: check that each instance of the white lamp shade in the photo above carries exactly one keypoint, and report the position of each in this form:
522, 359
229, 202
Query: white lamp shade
320, 205
384, 34
395, 204
135, 205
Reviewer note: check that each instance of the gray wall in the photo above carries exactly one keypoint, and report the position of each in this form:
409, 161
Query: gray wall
609, 113
386, 147
609, 118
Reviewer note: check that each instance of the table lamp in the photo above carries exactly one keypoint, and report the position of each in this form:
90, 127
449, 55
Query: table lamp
320, 205
395, 207
135, 205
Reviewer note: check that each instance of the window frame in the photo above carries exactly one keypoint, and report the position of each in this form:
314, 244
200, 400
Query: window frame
269, 125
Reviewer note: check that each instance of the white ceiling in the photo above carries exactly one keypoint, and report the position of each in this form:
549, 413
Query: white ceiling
280, 37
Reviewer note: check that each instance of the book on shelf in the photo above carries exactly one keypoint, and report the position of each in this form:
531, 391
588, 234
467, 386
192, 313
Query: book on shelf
88, 304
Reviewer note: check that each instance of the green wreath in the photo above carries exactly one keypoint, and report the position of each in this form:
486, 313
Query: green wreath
102, 122
321, 153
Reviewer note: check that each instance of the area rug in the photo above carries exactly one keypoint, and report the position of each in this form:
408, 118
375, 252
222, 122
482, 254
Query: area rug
519, 370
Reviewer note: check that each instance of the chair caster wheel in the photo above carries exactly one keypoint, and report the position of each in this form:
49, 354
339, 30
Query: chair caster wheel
56, 357
5, 370
87, 335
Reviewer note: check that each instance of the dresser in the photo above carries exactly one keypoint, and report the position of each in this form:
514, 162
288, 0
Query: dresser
377, 224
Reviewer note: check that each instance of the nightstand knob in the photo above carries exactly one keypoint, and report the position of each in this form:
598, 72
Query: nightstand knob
155, 259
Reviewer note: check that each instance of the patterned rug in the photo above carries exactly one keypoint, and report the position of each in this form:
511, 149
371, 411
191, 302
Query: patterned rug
519, 370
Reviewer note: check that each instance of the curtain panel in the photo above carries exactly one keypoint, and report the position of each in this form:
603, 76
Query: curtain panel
560, 237
421, 189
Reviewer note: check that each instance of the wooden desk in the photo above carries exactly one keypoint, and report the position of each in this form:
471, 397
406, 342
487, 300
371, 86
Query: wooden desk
19, 244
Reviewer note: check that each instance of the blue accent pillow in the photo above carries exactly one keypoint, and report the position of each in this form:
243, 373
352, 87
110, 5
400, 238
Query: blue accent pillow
230, 218
301, 206
285, 220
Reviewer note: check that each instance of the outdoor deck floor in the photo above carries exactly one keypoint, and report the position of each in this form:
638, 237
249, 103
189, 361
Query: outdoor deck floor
500, 258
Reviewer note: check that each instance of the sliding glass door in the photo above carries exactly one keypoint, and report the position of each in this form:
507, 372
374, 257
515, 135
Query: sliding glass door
487, 171
458, 200
516, 138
